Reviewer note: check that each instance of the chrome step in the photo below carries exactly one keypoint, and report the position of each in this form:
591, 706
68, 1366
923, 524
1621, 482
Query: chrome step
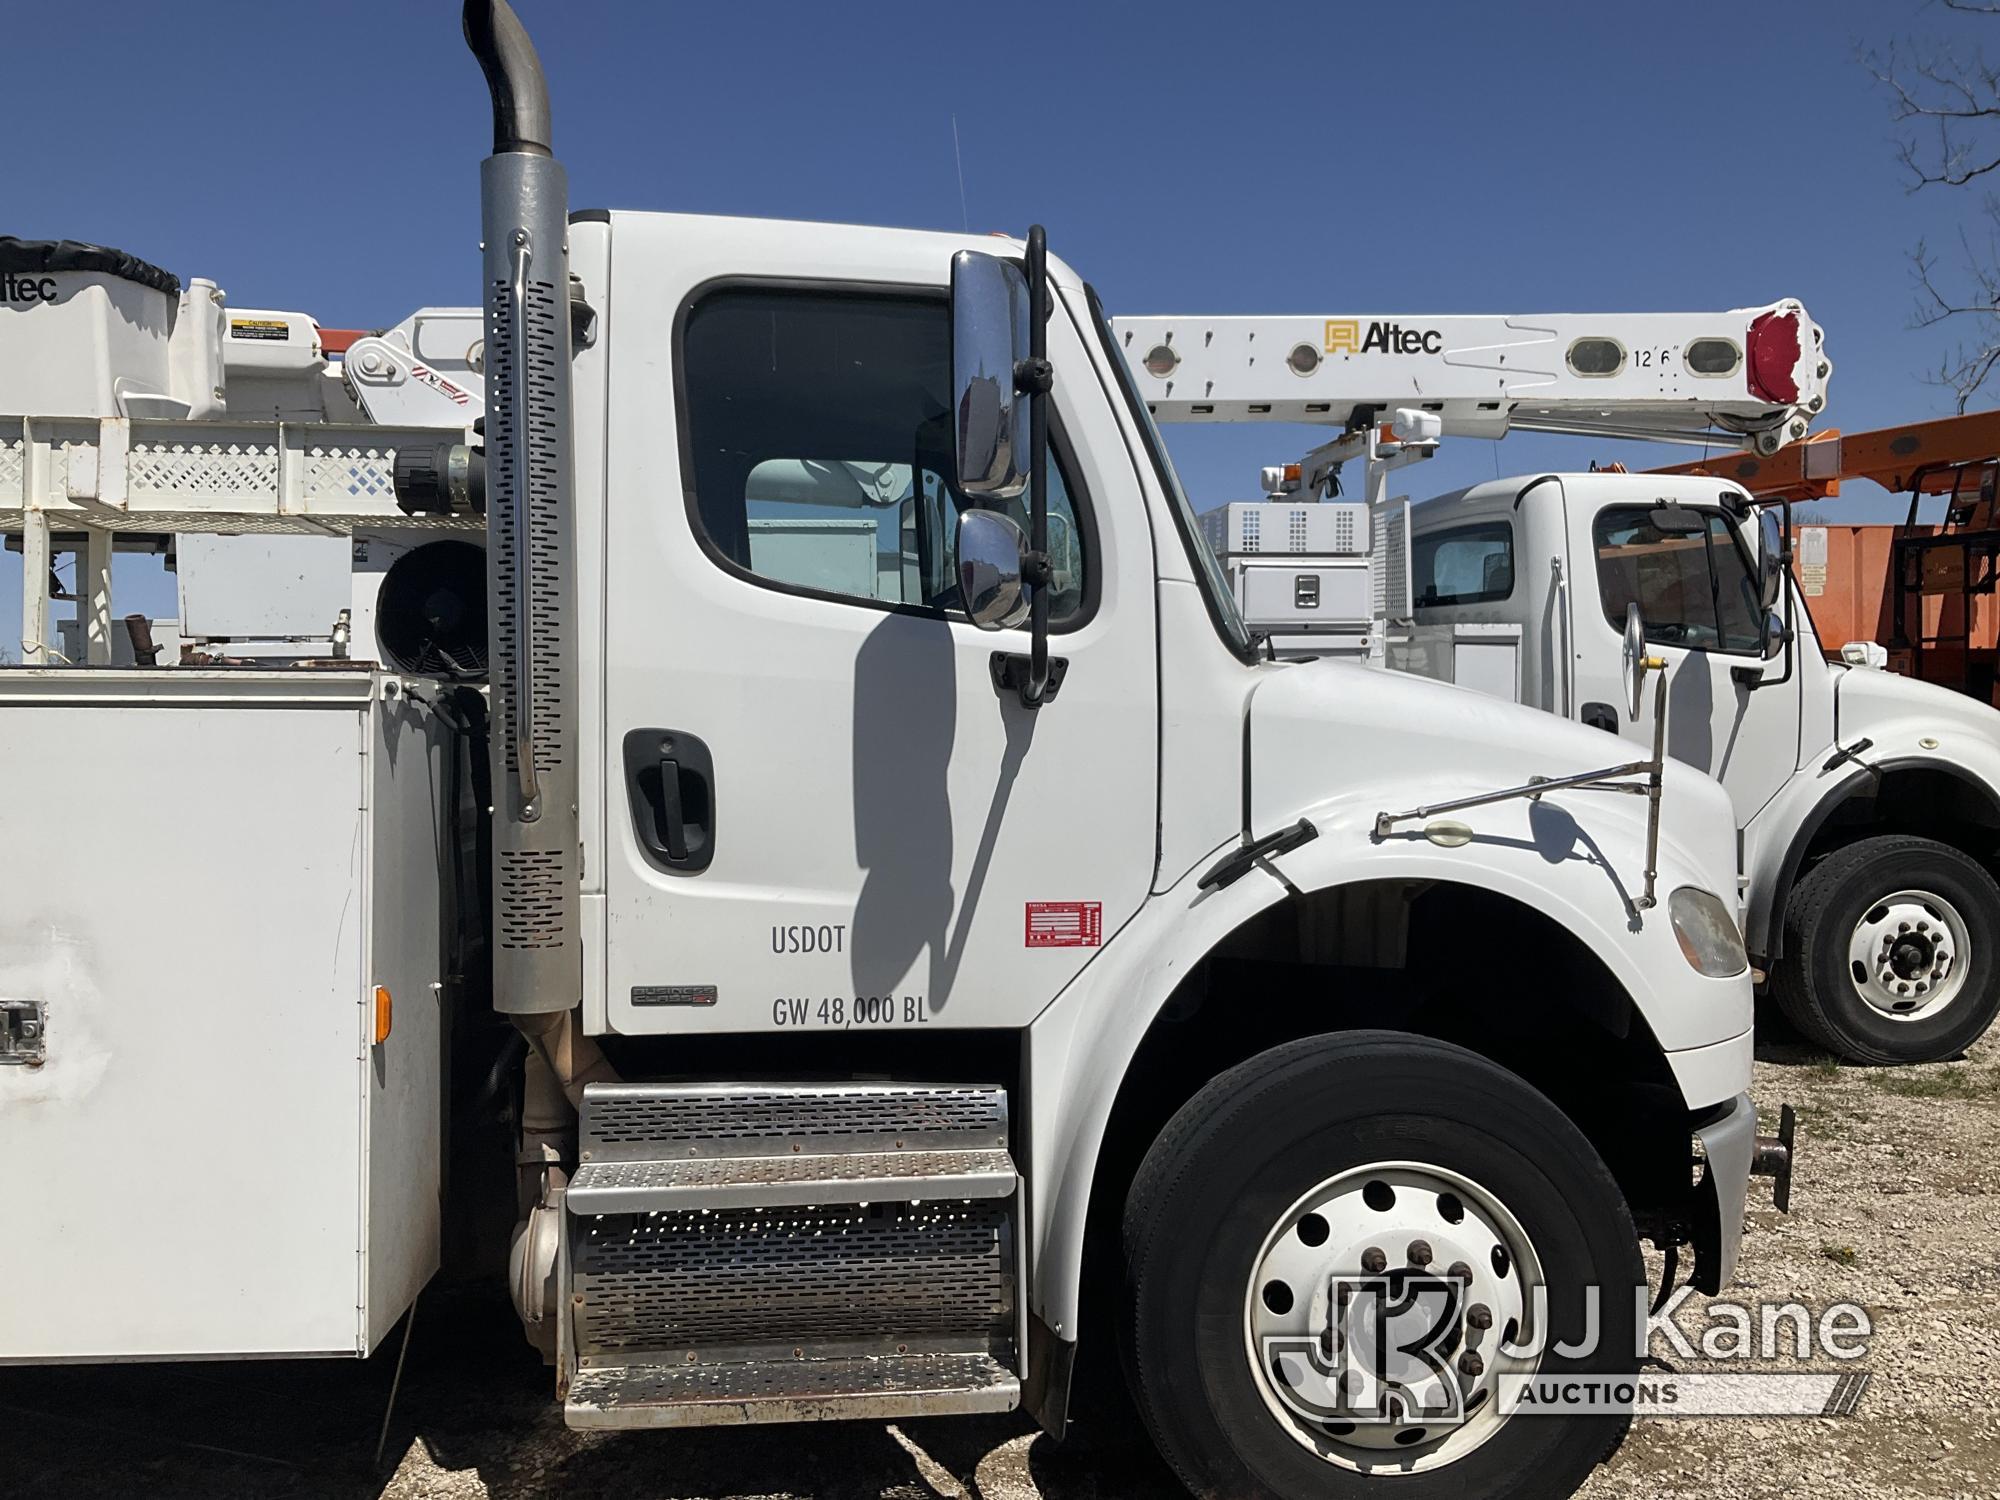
652, 1148
624, 1187
790, 1390
786, 1252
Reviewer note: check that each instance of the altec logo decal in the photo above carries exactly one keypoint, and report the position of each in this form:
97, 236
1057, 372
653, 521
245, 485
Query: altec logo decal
14, 287
1065, 924
1344, 336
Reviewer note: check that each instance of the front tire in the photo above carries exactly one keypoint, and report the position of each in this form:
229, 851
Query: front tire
1356, 1144
1890, 952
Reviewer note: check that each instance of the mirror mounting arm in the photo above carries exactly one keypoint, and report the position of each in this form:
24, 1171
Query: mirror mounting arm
1784, 603
1034, 377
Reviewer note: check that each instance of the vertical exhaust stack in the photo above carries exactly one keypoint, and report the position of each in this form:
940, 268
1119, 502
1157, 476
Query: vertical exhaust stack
524, 221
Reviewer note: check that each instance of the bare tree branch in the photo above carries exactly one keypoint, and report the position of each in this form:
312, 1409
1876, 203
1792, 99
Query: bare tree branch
1947, 98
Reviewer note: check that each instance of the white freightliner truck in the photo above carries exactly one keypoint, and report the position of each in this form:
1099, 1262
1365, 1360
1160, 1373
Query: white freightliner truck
909, 985
1868, 804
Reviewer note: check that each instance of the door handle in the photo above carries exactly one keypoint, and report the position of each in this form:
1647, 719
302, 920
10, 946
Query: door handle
1600, 716
670, 779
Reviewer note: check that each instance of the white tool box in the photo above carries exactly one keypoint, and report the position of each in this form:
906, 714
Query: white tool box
203, 861
1309, 594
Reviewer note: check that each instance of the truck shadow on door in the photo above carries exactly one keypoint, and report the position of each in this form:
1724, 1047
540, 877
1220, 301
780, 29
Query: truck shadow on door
905, 732
1691, 714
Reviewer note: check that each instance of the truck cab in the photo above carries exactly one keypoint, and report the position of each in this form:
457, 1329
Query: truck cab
1868, 804
833, 831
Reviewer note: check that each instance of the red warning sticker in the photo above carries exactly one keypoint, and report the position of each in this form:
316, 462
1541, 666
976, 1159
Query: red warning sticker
1065, 924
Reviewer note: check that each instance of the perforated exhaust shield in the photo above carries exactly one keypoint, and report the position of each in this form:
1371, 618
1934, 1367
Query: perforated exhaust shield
538, 961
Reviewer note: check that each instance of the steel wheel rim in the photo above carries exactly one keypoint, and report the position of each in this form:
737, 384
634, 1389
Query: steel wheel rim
1908, 955
1465, 1228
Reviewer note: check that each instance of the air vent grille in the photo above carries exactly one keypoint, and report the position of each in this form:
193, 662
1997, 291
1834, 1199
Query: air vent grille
531, 909
546, 553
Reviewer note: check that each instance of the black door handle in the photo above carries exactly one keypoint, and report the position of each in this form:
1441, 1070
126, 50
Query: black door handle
670, 777
1601, 716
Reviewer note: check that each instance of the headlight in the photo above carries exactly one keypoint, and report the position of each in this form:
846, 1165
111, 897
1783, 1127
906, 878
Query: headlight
1707, 933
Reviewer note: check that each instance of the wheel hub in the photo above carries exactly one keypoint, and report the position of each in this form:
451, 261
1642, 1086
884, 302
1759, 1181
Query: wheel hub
1365, 1265
1908, 955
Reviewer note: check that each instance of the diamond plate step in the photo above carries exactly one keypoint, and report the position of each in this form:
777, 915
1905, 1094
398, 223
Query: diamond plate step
624, 1187
779, 1252
792, 1390
662, 1122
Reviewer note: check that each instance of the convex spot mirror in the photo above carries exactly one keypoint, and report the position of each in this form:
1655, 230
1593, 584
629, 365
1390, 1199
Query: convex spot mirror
1637, 659
1770, 557
989, 569
1777, 634
989, 340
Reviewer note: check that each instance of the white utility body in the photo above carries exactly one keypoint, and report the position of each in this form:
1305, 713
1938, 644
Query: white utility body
1868, 806
872, 876
223, 826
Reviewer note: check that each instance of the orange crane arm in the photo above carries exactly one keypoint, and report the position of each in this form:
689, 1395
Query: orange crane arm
1891, 456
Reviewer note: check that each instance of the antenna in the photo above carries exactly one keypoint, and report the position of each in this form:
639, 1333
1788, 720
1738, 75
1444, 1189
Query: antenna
964, 217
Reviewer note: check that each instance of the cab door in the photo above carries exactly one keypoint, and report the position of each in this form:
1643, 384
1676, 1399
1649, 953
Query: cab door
1689, 570
822, 812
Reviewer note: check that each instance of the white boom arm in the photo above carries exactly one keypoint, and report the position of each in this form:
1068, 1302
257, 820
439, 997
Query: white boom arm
1751, 377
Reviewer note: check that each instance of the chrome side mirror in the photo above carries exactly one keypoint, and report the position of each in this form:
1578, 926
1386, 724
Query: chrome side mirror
989, 569
1637, 660
989, 340
1770, 558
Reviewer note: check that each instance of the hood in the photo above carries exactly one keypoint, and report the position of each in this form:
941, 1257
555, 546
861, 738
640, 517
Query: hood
1331, 732
1900, 712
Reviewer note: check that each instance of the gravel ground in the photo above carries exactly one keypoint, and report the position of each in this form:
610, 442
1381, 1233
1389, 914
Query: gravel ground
1897, 1207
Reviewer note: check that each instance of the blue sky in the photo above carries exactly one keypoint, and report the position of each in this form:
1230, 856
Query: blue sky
1458, 157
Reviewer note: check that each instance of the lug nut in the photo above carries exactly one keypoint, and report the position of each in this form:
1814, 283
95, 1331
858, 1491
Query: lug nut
1479, 1316
1373, 1261
1460, 1271
1420, 1253
1470, 1365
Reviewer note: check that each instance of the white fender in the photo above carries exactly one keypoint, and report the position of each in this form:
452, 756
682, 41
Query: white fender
1573, 856
1909, 725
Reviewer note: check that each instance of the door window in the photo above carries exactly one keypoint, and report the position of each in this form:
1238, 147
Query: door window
1465, 565
1694, 589
819, 444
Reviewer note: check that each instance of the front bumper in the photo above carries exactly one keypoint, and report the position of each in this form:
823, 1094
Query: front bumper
1734, 1153
1729, 1143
